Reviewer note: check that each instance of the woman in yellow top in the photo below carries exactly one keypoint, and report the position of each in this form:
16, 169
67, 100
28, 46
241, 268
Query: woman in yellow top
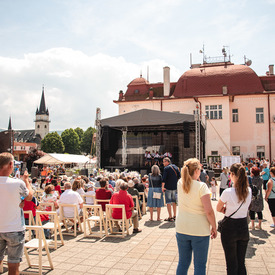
194, 218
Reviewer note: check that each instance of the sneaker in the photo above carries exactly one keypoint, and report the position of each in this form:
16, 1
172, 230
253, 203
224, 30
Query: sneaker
272, 225
136, 230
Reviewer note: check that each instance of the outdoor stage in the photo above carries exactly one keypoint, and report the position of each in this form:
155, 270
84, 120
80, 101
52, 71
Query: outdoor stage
125, 138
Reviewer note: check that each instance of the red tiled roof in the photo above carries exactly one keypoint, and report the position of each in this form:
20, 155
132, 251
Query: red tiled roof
268, 82
204, 81
138, 81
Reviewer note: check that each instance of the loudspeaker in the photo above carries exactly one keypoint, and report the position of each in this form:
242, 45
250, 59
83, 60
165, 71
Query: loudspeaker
186, 132
106, 137
34, 172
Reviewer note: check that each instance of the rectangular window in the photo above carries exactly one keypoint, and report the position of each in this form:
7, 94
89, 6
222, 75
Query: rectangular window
236, 150
213, 111
260, 152
214, 153
259, 115
235, 115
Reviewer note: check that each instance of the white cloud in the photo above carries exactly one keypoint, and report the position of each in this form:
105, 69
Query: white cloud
75, 85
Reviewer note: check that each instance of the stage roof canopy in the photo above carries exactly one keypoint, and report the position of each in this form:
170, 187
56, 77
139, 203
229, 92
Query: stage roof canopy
146, 117
63, 159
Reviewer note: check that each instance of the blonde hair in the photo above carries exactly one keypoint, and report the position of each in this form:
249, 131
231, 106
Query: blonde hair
187, 171
155, 170
5, 158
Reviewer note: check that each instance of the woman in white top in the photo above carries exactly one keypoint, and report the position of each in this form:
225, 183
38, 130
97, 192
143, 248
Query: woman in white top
194, 218
235, 234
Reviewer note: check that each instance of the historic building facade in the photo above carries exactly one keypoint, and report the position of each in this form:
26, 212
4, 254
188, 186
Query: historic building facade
236, 105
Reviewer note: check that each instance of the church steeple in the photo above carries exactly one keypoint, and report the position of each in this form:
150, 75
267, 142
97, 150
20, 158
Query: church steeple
9, 127
42, 109
42, 118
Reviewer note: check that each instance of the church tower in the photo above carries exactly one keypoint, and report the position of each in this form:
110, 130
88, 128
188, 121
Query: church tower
42, 121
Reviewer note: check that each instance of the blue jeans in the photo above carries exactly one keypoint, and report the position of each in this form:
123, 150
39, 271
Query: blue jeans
199, 245
170, 196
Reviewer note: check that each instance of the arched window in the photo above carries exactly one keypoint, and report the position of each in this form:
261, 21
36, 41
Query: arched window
45, 126
38, 126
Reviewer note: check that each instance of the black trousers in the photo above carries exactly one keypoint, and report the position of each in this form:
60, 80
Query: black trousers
252, 215
235, 237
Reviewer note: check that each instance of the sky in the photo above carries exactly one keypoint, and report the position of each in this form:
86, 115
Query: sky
85, 51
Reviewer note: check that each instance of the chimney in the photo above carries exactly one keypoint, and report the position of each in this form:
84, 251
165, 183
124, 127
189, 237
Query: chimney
166, 81
271, 69
120, 95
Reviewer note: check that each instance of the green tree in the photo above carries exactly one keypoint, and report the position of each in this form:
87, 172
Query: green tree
71, 141
80, 133
52, 143
87, 141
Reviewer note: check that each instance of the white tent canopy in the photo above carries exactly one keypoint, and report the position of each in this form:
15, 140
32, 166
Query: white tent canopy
63, 159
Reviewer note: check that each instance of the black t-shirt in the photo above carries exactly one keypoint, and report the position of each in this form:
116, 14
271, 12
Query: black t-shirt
171, 174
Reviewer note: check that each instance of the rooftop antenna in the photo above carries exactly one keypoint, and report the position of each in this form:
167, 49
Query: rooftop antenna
247, 61
148, 73
203, 52
140, 73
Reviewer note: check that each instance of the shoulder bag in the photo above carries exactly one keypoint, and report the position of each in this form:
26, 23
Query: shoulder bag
156, 195
221, 222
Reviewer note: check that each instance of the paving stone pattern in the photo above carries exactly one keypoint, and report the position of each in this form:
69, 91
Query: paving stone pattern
153, 251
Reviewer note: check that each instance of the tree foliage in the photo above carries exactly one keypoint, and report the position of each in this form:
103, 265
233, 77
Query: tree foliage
32, 156
71, 141
80, 133
87, 141
52, 143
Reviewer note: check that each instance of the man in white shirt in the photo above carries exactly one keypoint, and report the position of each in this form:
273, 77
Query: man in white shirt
12, 223
71, 197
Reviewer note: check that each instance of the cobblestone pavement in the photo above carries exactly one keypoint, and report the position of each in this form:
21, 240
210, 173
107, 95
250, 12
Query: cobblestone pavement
154, 251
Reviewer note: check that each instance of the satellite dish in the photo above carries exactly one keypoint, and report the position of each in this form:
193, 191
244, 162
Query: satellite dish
248, 62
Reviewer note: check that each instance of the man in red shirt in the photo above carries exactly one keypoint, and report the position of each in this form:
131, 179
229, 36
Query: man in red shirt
122, 197
103, 193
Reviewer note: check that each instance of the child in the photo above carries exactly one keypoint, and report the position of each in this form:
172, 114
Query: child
50, 196
90, 191
213, 188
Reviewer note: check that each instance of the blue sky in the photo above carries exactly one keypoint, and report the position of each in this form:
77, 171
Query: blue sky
85, 51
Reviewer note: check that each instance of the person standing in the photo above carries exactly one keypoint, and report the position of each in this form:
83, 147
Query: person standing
265, 175
12, 224
224, 180
171, 174
234, 203
270, 195
194, 219
257, 203
155, 183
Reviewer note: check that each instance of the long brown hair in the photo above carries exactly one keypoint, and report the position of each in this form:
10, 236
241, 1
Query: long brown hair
187, 171
241, 185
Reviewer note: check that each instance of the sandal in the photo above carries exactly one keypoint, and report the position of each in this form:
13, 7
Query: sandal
169, 220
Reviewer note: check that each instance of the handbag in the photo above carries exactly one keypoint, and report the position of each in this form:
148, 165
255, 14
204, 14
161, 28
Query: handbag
221, 222
156, 195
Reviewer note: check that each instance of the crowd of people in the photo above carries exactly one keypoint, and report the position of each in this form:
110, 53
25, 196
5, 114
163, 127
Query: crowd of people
186, 192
